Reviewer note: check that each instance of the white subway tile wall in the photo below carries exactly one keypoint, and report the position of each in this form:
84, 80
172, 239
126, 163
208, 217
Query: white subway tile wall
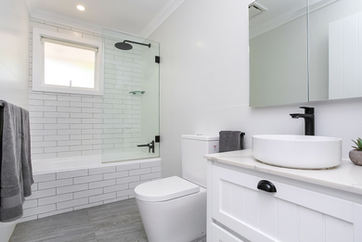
62, 192
64, 125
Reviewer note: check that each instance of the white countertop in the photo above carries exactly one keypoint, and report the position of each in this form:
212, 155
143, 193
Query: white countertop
346, 177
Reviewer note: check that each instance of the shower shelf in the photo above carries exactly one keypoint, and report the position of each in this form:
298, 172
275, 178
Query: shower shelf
137, 92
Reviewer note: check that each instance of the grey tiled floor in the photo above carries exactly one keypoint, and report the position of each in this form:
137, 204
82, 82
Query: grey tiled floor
119, 222
114, 222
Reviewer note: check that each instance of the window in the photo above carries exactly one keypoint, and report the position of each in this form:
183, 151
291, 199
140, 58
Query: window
66, 64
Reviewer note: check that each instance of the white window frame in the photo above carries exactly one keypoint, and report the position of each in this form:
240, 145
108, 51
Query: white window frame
38, 62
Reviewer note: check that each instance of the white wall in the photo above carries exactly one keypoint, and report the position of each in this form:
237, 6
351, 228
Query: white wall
14, 22
205, 82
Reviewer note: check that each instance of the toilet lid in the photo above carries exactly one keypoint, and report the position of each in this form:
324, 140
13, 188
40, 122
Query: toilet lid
165, 189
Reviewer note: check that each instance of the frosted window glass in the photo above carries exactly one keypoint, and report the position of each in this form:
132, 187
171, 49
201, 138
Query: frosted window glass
69, 66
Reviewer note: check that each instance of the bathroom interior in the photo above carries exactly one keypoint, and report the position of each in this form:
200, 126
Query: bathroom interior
181, 121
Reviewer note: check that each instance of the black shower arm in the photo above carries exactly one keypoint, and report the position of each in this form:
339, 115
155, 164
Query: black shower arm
138, 43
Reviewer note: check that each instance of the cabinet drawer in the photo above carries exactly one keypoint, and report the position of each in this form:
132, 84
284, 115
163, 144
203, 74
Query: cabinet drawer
221, 235
290, 214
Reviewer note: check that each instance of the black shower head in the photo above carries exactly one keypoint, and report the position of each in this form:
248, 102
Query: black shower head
123, 45
126, 46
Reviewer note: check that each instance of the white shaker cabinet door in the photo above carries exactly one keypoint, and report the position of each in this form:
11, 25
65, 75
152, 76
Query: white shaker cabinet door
221, 235
292, 213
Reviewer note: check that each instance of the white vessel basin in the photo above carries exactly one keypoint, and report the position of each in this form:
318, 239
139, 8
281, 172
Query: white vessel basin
297, 151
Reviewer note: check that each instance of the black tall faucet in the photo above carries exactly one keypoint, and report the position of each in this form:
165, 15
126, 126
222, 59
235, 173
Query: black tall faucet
308, 116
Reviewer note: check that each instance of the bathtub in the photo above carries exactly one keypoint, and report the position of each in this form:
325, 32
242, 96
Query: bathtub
66, 184
43, 166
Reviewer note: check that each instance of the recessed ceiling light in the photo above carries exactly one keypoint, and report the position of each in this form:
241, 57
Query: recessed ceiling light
80, 7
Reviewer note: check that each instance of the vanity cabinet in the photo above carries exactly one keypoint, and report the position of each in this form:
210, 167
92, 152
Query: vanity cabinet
295, 211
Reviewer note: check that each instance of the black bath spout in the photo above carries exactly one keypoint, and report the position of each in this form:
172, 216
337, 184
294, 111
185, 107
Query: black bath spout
151, 146
308, 116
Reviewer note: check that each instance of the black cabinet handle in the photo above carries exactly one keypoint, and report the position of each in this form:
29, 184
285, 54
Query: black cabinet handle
267, 186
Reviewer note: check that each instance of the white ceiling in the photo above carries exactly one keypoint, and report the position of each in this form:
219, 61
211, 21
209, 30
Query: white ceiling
139, 17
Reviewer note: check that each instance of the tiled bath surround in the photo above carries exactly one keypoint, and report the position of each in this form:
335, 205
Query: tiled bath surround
64, 125
61, 192
72, 125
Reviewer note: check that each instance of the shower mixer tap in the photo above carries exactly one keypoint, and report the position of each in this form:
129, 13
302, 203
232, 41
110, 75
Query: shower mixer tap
151, 146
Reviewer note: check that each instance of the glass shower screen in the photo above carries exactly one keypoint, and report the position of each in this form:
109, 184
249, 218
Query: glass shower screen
131, 100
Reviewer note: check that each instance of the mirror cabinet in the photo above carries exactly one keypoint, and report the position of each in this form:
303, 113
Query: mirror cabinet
304, 50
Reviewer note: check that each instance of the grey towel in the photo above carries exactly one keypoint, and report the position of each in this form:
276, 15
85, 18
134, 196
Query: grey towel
27, 170
15, 169
231, 140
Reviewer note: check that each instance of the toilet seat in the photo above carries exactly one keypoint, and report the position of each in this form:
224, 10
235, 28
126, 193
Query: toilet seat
165, 189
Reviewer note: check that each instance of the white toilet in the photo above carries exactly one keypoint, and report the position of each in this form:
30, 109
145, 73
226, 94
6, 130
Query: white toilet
173, 209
